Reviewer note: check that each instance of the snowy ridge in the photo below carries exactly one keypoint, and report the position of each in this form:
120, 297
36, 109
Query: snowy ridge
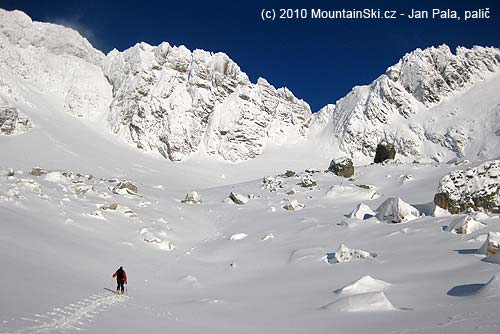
412, 103
180, 103
171, 100
53, 61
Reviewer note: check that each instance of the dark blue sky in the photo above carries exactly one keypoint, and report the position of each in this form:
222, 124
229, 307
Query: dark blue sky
320, 61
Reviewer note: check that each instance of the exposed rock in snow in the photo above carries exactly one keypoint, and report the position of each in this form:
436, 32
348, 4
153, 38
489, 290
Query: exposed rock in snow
293, 206
193, 198
395, 210
464, 225
292, 191
151, 236
12, 121
268, 236
492, 244
346, 254
307, 182
125, 187
342, 167
289, 173
363, 285
115, 207
362, 211
238, 236
364, 302
383, 152
37, 171
171, 100
390, 108
238, 198
273, 183
476, 188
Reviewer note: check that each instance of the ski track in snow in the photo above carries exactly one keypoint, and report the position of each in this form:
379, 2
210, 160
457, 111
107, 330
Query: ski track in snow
72, 317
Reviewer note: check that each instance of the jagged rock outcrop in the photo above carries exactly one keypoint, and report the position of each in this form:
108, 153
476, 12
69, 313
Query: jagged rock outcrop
177, 102
174, 101
392, 108
477, 188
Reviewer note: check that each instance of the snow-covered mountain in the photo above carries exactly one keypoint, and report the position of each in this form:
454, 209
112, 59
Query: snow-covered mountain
174, 101
178, 103
432, 103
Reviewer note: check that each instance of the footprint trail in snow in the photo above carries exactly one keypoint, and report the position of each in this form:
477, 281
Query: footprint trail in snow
72, 317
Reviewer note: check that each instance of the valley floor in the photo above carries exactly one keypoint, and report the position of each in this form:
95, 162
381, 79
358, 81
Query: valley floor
221, 267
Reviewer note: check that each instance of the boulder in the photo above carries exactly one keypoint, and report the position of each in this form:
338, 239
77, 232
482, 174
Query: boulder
362, 211
492, 244
193, 198
125, 187
384, 152
477, 188
464, 225
238, 198
346, 254
342, 167
395, 210
293, 206
289, 173
37, 171
112, 206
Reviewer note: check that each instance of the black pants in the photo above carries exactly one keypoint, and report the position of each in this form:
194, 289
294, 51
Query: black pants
120, 287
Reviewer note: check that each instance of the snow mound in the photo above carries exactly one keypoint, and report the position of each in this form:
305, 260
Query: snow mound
238, 236
362, 211
491, 288
363, 285
347, 191
464, 225
364, 302
492, 244
346, 254
315, 254
395, 210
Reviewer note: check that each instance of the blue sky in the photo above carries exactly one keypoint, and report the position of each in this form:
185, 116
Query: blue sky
318, 60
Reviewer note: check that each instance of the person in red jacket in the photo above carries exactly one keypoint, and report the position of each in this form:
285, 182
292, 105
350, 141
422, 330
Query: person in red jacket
121, 279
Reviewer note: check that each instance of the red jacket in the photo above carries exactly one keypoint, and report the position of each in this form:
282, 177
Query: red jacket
124, 277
